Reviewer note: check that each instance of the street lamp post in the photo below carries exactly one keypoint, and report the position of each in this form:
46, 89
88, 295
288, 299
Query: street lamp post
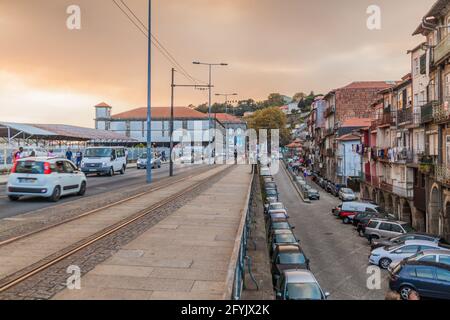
149, 97
210, 65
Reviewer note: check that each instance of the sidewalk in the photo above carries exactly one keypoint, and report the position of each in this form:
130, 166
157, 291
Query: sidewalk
185, 256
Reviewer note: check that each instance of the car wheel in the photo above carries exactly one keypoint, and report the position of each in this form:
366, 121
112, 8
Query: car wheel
111, 172
13, 198
82, 189
346, 220
122, 171
56, 195
405, 292
385, 263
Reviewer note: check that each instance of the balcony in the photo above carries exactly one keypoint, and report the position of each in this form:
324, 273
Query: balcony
442, 49
426, 163
405, 116
441, 113
387, 119
427, 112
442, 174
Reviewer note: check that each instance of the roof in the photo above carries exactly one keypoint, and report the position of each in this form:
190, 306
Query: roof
160, 113
349, 137
228, 118
61, 132
368, 85
435, 11
357, 122
300, 276
103, 105
289, 248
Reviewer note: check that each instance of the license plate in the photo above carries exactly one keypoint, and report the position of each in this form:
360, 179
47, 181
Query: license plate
27, 180
92, 170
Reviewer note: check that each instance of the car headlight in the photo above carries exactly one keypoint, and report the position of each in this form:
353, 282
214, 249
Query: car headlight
104, 164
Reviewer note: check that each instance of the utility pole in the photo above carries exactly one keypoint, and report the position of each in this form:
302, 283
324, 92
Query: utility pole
149, 97
171, 121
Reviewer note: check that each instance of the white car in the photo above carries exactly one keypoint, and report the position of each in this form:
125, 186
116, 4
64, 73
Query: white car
45, 177
104, 160
384, 256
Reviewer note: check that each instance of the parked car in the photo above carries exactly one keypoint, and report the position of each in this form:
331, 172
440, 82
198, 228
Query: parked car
279, 224
329, 187
274, 206
142, 162
382, 229
288, 257
323, 184
346, 194
265, 172
272, 216
313, 194
349, 210
383, 257
278, 237
272, 195
335, 188
268, 179
377, 243
428, 279
299, 285
438, 256
104, 160
270, 185
45, 177
363, 219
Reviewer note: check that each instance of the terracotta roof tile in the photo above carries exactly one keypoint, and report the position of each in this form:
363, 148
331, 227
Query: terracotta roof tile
369, 85
104, 105
357, 122
224, 117
160, 113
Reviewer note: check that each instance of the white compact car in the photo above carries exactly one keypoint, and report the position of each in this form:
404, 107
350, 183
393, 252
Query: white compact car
384, 256
46, 178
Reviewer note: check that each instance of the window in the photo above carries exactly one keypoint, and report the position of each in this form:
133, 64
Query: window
430, 258
443, 275
424, 273
396, 228
385, 227
409, 249
372, 225
444, 259
423, 64
68, 168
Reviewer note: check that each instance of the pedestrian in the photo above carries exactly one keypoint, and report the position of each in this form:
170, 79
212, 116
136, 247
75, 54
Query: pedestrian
69, 154
79, 157
18, 155
51, 154
235, 156
163, 156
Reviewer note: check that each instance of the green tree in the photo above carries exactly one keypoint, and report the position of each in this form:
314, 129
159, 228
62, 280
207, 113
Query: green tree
271, 118
299, 96
275, 100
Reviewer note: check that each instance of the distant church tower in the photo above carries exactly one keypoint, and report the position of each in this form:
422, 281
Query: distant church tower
102, 116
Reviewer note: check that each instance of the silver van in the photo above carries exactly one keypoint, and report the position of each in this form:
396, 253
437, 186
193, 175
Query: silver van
382, 229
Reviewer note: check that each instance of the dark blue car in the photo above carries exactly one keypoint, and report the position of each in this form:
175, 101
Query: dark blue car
429, 279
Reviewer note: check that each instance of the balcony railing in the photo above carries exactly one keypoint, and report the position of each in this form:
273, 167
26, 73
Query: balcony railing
405, 116
442, 174
441, 113
442, 49
426, 163
386, 119
427, 111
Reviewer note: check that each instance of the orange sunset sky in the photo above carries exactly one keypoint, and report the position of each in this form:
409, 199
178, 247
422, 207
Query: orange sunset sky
49, 74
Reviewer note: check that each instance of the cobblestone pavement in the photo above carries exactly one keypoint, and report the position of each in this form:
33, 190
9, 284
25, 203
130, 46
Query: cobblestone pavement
339, 257
46, 284
64, 210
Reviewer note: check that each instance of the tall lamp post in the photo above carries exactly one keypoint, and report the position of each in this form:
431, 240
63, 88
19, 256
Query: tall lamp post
226, 95
210, 65
149, 97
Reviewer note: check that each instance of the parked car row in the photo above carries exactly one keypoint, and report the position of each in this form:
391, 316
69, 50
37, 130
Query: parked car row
291, 275
308, 191
416, 261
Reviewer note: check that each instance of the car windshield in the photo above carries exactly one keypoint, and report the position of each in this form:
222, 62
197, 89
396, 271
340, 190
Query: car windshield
304, 291
144, 156
285, 238
407, 228
292, 258
347, 191
98, 153
281, 225
271, 192
30, 167
277, 206
313, 191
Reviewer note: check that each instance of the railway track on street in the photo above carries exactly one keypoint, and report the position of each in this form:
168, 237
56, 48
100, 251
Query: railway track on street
41, 266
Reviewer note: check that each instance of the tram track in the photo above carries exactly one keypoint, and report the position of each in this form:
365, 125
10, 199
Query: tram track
41, 266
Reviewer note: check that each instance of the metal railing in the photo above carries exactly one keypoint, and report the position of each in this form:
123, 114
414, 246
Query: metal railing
441, 113
427, 111
235, 282
442, 49
406, 191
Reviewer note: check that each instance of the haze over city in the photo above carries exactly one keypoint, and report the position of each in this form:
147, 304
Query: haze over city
52, 74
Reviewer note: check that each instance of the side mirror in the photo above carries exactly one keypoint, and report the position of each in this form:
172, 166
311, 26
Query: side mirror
279, 295
327, 294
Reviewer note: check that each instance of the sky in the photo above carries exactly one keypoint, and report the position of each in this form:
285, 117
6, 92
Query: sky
51, 74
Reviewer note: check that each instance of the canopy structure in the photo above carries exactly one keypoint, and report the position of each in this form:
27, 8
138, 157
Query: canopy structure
59, 132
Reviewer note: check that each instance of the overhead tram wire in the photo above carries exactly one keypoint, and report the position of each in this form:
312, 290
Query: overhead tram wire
144, 30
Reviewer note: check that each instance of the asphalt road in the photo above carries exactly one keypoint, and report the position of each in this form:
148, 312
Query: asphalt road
339, 257
96, 185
